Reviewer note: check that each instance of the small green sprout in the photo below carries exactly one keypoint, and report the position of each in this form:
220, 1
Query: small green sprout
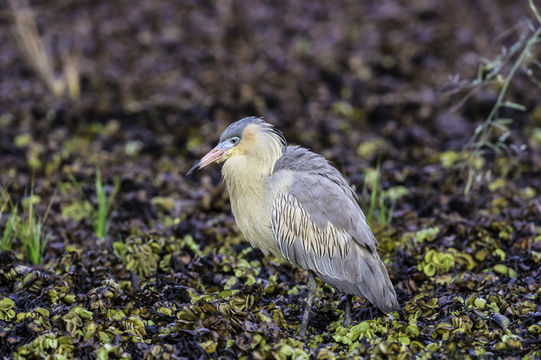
102, 214
33, 239
382, 202
30, 232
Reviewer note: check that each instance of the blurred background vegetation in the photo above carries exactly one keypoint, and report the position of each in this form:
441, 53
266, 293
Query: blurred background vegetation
429, 107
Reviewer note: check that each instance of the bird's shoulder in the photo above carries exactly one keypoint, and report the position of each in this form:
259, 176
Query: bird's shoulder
299, 159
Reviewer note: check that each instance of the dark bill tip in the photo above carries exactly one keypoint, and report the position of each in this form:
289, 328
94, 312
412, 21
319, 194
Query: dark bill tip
194, 168
213, 155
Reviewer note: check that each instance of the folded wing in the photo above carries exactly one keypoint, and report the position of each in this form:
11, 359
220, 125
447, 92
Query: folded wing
318, 226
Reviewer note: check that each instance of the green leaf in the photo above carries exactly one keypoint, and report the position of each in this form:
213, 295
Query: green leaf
502, 321
514, 105
404, 340
480, 303
500, 269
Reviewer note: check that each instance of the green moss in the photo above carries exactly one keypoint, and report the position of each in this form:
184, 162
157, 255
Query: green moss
134, 326
109, 351
138, 254
436, 262
189, 242
428, 234
291, 349
500, 269
449, 158
498, 183
75, 319
78, 210
46, 343
23, 140
133, 147
480, 303
395, 192
6, 309
164, 203
209, 346
369, 149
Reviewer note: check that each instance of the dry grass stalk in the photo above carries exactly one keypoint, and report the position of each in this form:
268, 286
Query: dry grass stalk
33, 50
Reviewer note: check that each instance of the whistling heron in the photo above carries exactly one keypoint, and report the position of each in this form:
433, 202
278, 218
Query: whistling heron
292, 203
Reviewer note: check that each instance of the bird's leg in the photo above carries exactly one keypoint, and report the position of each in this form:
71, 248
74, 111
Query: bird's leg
312, 288
347, 312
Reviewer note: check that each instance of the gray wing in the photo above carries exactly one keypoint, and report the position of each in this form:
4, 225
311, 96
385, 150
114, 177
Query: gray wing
319, 226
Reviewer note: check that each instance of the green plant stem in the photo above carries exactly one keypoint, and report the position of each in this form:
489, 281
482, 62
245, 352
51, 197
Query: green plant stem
480, 138
534, 9
101, 221
510, 76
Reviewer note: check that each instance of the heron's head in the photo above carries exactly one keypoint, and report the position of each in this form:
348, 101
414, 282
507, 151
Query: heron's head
248, 137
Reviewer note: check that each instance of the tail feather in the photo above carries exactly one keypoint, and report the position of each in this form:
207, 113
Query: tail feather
366, 275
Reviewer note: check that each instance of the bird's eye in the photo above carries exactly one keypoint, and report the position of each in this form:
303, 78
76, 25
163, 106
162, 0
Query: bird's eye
234, 140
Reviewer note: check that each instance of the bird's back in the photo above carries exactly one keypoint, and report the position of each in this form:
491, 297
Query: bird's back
319, 226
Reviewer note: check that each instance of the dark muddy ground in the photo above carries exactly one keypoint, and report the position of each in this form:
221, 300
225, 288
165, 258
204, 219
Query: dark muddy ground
160, 80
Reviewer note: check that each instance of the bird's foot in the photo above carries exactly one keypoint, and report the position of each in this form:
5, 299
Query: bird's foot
302, 329
305, 318
312, 288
